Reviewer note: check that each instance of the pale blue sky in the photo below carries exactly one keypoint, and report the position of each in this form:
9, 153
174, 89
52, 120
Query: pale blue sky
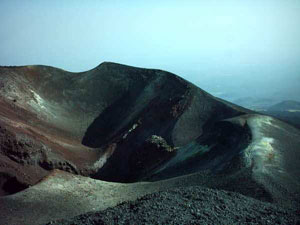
256, 42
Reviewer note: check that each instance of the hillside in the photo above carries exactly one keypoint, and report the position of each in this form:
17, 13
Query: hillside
116, 133
285, 106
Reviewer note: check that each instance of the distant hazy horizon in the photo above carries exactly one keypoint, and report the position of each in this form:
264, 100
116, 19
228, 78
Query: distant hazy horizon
231, 48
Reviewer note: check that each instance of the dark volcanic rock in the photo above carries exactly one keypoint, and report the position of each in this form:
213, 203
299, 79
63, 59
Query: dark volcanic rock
153, 152
10, 185
192, 205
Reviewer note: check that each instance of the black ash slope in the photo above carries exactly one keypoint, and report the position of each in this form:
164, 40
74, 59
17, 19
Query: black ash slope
190, 205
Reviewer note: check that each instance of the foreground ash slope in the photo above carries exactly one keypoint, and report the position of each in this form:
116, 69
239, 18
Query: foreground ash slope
125, 124
189, 205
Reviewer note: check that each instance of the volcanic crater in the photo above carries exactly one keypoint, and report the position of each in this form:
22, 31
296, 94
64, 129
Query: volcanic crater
137, 130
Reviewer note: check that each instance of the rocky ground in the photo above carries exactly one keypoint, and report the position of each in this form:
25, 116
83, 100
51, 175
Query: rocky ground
191, 205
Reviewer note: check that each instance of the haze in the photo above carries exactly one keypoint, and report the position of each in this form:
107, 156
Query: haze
230, 48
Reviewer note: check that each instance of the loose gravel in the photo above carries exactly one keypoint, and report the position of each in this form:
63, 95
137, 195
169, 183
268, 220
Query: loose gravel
189, 205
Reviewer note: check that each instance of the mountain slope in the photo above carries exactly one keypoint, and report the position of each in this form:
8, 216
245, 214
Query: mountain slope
119, 123
85, 117
285, 106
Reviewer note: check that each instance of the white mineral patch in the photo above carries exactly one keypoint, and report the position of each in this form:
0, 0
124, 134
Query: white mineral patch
39, 104
260, 154
99, 163
130, 130
39, 100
